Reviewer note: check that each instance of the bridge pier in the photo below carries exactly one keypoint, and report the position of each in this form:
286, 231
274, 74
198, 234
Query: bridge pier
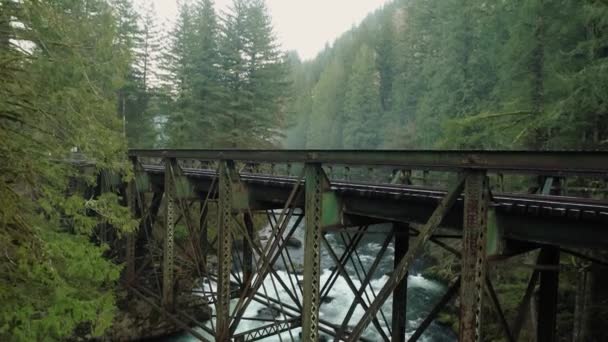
316, 184
226, 172
342, 206
402, 241
476, 198
168, 293
548, 291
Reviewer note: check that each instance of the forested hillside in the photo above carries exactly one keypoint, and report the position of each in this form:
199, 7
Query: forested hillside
221, 80
98, 76
522, 74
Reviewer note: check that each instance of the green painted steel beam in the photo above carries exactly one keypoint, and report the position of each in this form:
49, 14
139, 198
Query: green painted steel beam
316, 185
226, 176
590, 232
546, 162
168, 298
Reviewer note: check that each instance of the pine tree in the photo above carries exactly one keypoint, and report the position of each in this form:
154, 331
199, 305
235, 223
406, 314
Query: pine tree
58, 95
255, 77
363, 108
194, 66
326, 118
140, 39
179, 67
208, 90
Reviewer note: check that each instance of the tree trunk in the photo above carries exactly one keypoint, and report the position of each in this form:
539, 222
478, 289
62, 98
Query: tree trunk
537, 69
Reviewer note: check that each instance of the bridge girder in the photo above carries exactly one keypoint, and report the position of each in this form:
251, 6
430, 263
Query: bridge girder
489, 226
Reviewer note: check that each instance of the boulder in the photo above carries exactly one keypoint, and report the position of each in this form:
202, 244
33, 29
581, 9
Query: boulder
294, 243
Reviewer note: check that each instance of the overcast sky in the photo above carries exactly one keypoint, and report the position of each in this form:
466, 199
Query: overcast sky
301, 25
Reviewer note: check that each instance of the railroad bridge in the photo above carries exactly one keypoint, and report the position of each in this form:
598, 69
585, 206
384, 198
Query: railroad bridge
484, 199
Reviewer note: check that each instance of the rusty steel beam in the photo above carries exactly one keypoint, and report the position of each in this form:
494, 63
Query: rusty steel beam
498, 309
447, 297
226, 172
168, 295
434, 221
359, 294
266, 331
248, 248
316, 184
546, 162
402, 239
473, 259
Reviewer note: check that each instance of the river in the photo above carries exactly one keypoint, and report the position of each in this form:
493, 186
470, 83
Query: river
422, 293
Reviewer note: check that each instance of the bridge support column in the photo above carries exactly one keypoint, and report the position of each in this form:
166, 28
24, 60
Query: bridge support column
476, 198
316, 183
168, 295
226, 172
548, 290
402, 241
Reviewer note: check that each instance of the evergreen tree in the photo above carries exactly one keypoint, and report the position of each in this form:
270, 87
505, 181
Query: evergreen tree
179, 65
255, 77
193, 64
326, 118
140, 126
363, 103
208, 90
57, 95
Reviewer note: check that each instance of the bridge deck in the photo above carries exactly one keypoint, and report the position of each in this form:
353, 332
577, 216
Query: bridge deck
567, 221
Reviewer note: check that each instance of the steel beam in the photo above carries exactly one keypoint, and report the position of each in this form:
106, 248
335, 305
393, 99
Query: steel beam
168, 294
316, 184
524, 306
358, 300
427, 231
545, 162
204, 236
402, 241
226, 172
445, 299
548, 290
476, 199
533, 218
248, 249
267, 331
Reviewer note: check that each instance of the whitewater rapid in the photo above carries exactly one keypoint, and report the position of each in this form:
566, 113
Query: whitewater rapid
422, 293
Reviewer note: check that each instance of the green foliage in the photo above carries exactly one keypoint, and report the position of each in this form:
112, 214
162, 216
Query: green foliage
228, 78
363, 105
525, 74
61, 65
326, 118
255, 77
69, 282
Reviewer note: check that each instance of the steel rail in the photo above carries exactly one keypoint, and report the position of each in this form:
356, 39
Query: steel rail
553, 162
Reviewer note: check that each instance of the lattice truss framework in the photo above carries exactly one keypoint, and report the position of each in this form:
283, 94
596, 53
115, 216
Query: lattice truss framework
160, 266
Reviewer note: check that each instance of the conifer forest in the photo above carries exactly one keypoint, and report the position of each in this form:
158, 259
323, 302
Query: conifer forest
98, 77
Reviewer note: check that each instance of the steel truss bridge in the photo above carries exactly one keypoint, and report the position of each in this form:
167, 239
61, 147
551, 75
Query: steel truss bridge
426, 196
